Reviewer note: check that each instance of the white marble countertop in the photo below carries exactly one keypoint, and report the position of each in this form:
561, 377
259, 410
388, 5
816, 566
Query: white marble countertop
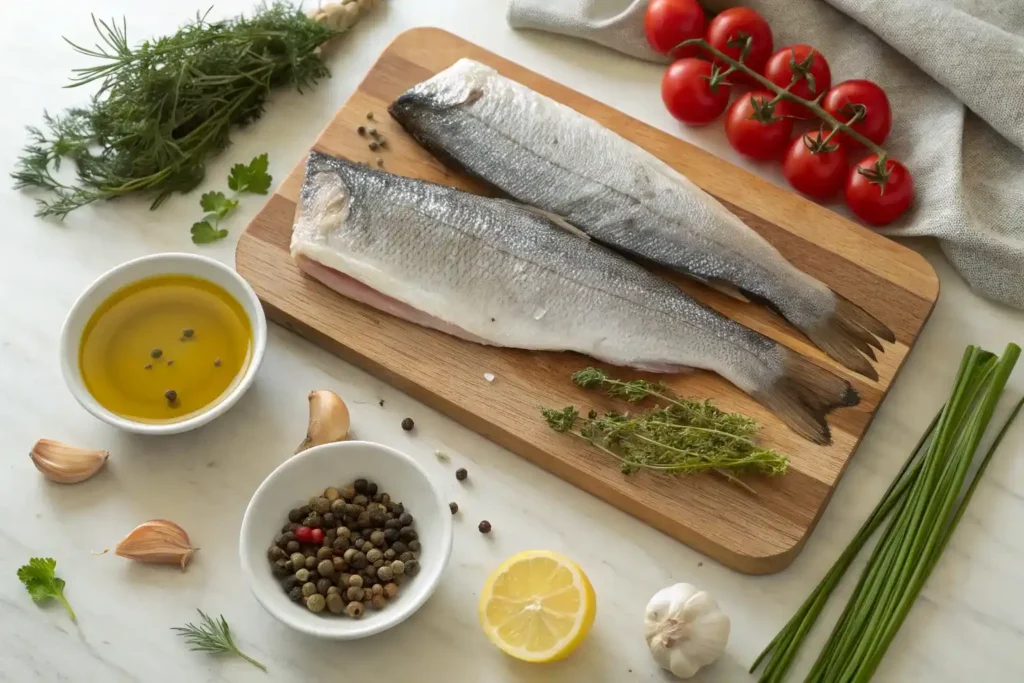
967, 625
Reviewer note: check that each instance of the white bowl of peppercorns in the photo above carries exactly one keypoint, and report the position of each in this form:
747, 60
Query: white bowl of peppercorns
345, 540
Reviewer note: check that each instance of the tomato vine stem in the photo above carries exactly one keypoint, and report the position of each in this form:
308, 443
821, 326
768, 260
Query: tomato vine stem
785, 94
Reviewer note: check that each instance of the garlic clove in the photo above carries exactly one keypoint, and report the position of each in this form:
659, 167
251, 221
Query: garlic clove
66, 464
157, 541
328, 420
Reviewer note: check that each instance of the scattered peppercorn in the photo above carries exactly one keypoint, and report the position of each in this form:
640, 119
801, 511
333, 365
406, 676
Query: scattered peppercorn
148, 366
374, 146
188, 332
170, 362
380, 161
408, 424
216, 363
372, 131
485, 527
156, 353
461, 474
361, 130
453, 506
171, 395
369, 114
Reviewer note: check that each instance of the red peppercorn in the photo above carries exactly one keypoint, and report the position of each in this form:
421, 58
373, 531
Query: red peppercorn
318, 535
304, 534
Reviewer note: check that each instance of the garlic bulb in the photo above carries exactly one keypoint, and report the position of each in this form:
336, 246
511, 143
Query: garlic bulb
685, 629
66, 464
157, 541
328, 420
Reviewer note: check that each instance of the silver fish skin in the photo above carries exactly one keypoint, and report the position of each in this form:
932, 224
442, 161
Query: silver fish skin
494, 272
546, 154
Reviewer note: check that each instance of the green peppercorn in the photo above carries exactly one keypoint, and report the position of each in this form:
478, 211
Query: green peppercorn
355, 609
390, 590
338, 508
308, 588
324, 554
326, 567
385, 574
397, 567
362, 500
377, 538
358, 560
414, 546
373, 555
407, 534
156, 353
408, 424
344, 532
298, 560
292, 547
280, 568
453, 506
320, 505
354, 593
339, 563
363, 520
330, 535
335, 603
311, 562
340, 545
348, 492
333, 589
295, 594
398, 580
389, 555
378, 564
316, 603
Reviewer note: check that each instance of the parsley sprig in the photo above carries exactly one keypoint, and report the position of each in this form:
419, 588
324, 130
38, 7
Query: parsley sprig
42, 583
252, 178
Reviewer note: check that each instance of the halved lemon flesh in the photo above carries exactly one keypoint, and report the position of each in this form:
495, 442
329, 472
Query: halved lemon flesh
537, 606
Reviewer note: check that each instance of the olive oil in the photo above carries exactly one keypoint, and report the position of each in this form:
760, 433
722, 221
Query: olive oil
164, 348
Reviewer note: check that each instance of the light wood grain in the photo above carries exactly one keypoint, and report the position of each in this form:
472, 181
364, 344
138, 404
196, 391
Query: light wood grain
759, 533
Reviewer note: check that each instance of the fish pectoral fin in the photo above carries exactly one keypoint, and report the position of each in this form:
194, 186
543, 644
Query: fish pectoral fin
554, 218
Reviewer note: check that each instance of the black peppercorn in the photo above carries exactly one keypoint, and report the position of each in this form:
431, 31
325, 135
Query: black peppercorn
280, 568
461, 474
313, 521
412, 568
289, 583
323, 585
290, 526
328, 520
321, 505
361, 485
295, 594
414, 546
171, 395
406, 556
361, 500
377, 519
405, 518
293, 546
363, 520
408, 424
358, 560
281, 541
276, 553
485, 527
393, 524
372, 488
398, 509
304, 511
340, 544
295, 515
407, 533
156, 353
389, 555
390, 535
399, 547
453, 506
338, 508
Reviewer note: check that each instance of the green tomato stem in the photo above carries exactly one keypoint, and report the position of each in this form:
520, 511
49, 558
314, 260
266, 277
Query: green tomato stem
785, 94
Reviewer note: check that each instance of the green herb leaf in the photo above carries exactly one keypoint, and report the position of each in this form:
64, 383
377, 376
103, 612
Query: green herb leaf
252, 178
42, 583
204, 233
217, 203
212, 636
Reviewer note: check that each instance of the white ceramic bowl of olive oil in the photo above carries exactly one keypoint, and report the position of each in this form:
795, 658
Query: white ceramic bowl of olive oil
335, 465
163, 344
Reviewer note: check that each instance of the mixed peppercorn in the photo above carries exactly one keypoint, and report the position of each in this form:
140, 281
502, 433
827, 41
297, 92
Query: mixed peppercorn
346, 551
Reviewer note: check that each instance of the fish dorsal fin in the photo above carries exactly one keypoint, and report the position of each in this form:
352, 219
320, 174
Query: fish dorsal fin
727, 288
553, 218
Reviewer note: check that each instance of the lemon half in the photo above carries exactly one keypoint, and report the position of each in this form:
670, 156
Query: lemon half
537, 606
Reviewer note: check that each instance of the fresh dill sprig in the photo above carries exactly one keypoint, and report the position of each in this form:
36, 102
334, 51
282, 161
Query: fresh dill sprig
685, 436
213, 637
165, 106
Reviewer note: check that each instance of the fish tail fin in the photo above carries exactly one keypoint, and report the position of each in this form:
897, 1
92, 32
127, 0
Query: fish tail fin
848, 335
804, 394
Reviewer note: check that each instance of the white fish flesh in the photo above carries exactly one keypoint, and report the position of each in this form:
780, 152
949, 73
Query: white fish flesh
493, 272
543, 153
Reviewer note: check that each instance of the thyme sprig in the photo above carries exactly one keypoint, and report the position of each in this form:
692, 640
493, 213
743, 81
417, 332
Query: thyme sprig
684, 436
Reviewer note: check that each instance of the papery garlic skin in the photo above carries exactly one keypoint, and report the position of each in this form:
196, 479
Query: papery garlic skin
157, 541
328, 420
685, 629
66, 464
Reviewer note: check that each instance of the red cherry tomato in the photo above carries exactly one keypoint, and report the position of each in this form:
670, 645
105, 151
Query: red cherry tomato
669, 22
689, 95
803, 66
304, 534
816, 170
317, 535
729, 31
754, 129
865, 98
879, 196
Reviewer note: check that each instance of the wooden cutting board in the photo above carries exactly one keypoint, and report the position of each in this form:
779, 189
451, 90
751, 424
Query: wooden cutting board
754, 533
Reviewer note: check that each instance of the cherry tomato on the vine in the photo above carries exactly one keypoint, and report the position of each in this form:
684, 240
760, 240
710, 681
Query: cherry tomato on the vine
813, 167
862, 99
879, 195
669, 22
754, 128
805, 68
689, 94
730, 32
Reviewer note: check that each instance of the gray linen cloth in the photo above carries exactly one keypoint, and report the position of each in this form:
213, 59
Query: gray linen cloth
954, 74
